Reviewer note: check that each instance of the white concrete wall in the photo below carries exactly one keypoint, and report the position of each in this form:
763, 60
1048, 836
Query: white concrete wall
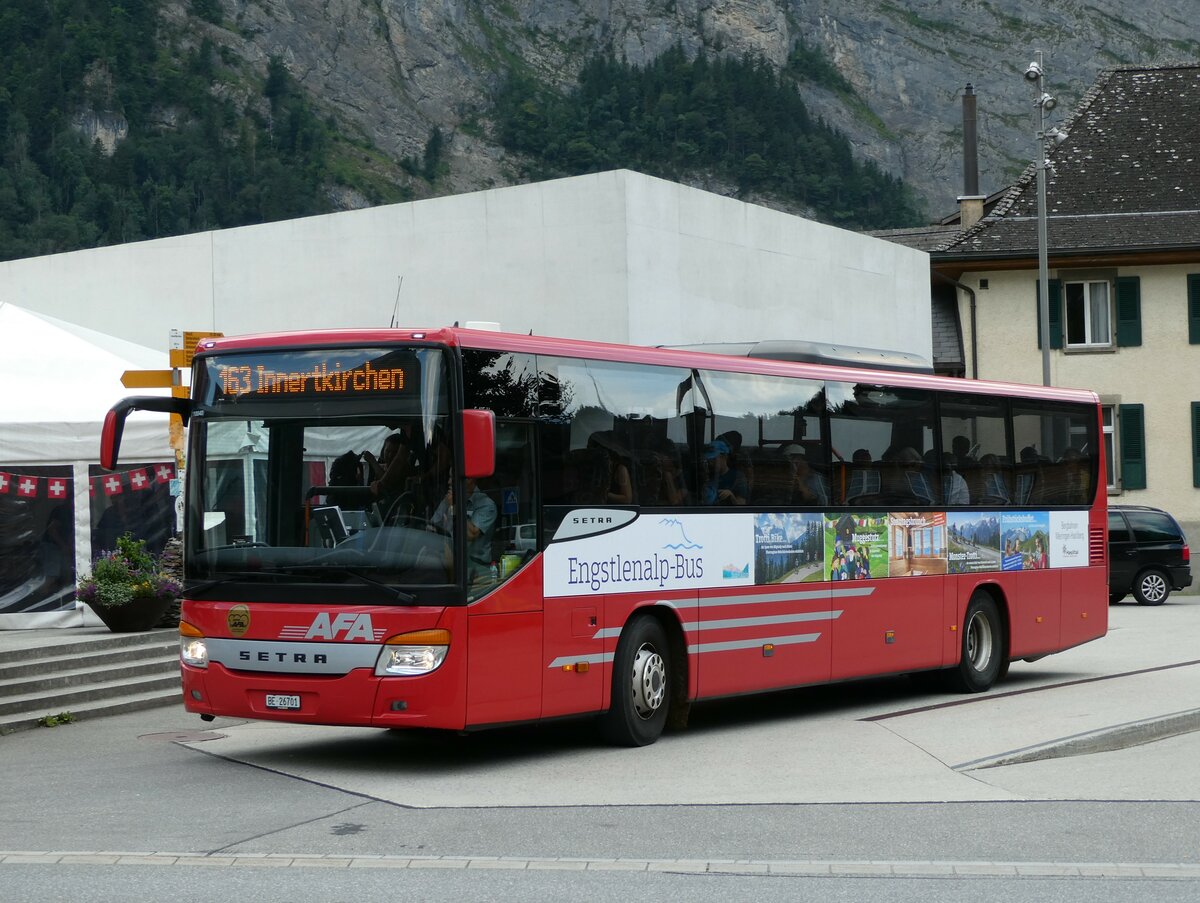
616, 256
706, 268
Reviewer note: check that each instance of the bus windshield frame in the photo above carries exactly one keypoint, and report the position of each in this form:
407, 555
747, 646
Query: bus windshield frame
318, 474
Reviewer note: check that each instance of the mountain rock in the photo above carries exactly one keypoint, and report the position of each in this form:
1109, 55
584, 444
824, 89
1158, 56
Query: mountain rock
392, 70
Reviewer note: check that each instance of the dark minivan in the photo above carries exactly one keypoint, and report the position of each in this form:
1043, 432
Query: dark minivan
1147, 554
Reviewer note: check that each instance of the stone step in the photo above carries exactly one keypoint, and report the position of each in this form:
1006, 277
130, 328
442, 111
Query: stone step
96, 708
88, 672
19, 647
93, 656
46, 680
66, 698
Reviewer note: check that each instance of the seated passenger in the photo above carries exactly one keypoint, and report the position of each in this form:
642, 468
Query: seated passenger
807, 486
659, 479
620, 486
864, 478
915, 477
481, 524
346, 470
723, 485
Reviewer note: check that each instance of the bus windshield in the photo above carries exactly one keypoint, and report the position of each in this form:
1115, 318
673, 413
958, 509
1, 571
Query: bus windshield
329, 468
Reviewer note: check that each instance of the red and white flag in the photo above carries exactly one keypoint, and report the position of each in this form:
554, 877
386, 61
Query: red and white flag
111, 484
5, 482
27, 486
163, 473
139, 479
56, 488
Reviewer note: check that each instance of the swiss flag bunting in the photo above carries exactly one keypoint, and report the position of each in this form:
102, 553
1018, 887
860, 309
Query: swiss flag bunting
58, 489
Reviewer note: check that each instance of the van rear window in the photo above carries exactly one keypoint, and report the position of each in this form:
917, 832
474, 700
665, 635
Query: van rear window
1149, 526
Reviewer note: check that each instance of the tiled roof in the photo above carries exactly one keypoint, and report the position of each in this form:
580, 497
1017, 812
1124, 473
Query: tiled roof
921, 238
1127, 178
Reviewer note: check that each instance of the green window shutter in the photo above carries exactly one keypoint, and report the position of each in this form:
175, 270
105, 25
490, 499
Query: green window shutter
1194, 308
1133, 446
1196, 443
1056, 311
1129, 311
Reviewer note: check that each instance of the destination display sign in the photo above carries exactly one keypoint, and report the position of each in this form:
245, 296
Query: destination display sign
313, 374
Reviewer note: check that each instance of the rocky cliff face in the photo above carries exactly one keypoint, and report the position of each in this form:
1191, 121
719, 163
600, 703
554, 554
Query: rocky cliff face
392, 70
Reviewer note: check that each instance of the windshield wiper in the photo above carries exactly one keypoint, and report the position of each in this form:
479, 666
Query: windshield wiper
400, 594
194, 589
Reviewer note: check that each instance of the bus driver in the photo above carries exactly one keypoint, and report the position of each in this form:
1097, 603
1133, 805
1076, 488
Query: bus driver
481, 523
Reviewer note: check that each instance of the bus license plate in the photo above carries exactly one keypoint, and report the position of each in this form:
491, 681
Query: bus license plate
282, 701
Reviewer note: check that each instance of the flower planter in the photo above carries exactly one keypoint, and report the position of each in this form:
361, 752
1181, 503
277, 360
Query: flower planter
138, 615
129, 589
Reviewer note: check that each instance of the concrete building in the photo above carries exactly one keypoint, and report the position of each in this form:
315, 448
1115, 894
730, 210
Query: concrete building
616, 256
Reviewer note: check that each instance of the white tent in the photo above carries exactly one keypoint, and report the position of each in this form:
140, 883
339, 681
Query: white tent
59, 380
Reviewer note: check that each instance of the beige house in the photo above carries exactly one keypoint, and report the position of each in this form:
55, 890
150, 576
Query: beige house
1123, 227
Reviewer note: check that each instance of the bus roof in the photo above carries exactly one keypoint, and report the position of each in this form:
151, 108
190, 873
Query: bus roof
695, 356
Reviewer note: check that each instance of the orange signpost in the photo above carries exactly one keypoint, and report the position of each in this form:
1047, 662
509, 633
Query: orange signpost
148, 379
179, 359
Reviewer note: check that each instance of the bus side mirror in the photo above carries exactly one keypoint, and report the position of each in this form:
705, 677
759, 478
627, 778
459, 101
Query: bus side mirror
479, 443
114, 421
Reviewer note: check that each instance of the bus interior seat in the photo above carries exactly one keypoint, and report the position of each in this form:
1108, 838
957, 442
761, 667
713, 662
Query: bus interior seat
773, 480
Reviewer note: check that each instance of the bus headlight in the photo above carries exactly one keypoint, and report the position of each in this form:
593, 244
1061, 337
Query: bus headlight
419, 652
193, 650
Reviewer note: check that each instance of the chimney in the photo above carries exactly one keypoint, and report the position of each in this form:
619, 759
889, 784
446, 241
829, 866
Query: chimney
970, 202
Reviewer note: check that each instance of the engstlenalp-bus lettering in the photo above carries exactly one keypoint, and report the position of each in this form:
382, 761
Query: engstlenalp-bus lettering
619, 569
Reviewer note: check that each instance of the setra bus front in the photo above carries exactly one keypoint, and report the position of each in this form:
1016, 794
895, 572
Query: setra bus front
327, 564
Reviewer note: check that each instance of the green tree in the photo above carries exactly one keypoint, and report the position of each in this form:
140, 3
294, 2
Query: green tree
677, 116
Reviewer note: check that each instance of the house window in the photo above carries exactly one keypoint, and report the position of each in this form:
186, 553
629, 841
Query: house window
1086, 314
1110, 444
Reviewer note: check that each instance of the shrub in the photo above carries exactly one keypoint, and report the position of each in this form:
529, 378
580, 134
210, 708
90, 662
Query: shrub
124, 575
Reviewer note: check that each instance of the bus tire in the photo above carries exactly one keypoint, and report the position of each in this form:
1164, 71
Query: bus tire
982, 652
641, 691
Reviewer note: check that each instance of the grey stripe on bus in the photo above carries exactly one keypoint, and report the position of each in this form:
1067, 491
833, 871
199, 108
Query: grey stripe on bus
696, 626
765, 598
598, 659
733, 645
695, 648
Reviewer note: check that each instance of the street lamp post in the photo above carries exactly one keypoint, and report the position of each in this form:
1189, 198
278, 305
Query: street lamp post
1044, 104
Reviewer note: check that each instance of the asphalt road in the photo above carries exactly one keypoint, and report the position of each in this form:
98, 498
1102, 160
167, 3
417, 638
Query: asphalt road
870, 790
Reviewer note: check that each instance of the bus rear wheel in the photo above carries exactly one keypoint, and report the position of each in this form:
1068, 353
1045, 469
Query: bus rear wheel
982, 653
641, 691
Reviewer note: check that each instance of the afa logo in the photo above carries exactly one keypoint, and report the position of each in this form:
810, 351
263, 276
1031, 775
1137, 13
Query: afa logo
345, 626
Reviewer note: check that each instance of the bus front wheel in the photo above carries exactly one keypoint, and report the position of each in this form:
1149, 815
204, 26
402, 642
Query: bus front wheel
982, 653
641, 691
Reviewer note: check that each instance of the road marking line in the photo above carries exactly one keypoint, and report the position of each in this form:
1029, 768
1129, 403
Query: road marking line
795, 868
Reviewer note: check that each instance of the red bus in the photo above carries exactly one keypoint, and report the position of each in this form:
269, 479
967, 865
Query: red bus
458, 529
